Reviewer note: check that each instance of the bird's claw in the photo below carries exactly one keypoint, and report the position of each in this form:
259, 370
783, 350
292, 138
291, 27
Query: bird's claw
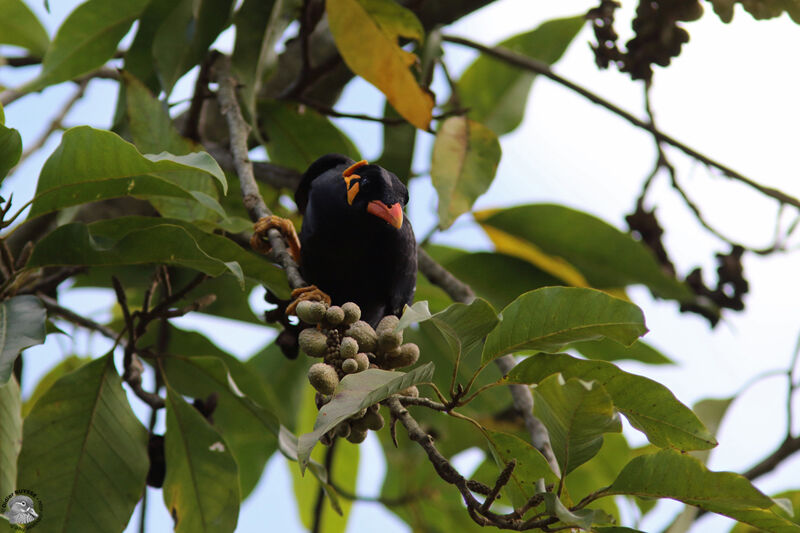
312, 293
260, 242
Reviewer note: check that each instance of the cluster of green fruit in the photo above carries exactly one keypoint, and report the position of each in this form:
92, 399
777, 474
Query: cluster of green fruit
348, 345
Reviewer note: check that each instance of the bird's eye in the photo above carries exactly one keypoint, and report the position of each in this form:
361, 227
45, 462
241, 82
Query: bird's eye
351, 180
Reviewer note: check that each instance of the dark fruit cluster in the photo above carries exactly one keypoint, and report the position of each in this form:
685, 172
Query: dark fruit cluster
658, 39
347, 345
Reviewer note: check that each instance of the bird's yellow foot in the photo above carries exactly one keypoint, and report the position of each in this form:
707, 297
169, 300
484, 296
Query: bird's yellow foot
260, 242
312, 293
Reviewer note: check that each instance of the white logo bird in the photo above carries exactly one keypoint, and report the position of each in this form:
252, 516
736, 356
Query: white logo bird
20, 510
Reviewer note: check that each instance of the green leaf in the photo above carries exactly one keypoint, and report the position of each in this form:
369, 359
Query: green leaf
10, 149
153, 131
91, 165
283, 381
616, 529
465, 158
606, 350
481, 271
373, 51
139, 61
84, 452
582, 518
465, 325
20, 27
22, 320
87, 39
669, 474
576, 414
355, 392
343, 468
531, 465
79, 244
249, 430
10, 434
649, 406
601, 472
182, 40
201, 489
550, 318
259, 25
146, 240
710, 411
151, 127
297, 138
787, 506
500, 105
578, 248
398, 145
73, 362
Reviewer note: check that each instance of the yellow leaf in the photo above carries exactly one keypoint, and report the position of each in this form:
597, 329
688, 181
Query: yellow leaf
465, 159
514, 246
366, 34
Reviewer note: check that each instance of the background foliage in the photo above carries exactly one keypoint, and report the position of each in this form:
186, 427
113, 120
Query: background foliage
148, 208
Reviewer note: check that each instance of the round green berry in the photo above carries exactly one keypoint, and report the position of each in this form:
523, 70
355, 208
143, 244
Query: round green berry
364, 334
363, 361
323, 377
348, 347
357, 435
343, 430
352, 313
412, 391
373, 420
313, 342
405, 355
349, 366
334, 315
310, 312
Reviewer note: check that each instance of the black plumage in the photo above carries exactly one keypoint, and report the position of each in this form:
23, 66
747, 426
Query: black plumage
356, 245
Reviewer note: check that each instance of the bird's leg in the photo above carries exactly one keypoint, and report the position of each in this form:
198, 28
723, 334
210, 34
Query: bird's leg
260, 242
312, 292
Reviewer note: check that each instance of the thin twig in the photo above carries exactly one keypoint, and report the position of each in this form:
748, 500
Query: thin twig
544, 69
56, 124
10, 95
329, 111
792, 388
270, 174
251, 197
191, 128
319, 504
53, 306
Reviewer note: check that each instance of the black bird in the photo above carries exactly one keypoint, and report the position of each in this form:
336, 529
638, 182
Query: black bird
355, 243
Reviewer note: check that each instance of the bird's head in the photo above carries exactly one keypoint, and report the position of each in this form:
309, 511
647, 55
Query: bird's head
356, 188
376, 191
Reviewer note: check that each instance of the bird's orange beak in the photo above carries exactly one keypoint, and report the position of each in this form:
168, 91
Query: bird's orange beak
393, 215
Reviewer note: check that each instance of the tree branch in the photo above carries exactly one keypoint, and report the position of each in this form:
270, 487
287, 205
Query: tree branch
270, 174
481, 515
251, 197
544, 69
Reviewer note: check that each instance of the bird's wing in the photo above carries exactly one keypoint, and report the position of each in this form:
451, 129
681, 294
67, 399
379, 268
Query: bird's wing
317, 168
